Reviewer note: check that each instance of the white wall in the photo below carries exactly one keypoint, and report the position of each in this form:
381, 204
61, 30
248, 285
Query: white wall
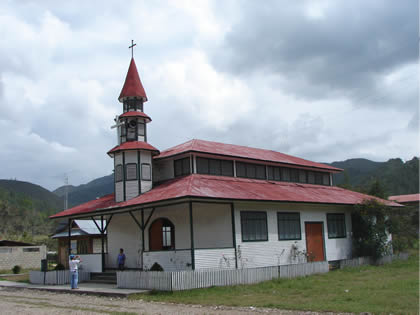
124, 233
91, 262
273, 251
212, 225
221, 258
169, 260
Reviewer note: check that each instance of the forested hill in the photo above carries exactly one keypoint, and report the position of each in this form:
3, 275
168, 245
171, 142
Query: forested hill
24, 209
396, 177
82, 193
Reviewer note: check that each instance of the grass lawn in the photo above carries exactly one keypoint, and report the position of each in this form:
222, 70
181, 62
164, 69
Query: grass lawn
392, 288
17, 277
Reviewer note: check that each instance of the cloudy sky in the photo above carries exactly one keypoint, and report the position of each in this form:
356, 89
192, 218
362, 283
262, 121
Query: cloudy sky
322, 80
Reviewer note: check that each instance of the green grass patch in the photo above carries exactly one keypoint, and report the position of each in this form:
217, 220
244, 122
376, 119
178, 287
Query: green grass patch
392, 288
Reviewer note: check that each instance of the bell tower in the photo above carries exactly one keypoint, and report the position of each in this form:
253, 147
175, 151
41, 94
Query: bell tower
133, 155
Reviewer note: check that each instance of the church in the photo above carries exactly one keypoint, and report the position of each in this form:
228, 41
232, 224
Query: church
210, 205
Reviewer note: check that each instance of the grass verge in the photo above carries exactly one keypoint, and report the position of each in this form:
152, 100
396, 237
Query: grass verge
392, 288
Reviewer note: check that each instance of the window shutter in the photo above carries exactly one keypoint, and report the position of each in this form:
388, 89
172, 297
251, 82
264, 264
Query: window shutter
131, 171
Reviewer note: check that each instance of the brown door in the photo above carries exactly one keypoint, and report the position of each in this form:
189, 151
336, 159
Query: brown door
314, 241
155, 235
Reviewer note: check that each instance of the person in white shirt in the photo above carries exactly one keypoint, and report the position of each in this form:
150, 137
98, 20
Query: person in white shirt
74, 270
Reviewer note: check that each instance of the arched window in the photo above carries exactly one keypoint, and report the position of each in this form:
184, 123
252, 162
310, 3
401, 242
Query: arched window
161, 235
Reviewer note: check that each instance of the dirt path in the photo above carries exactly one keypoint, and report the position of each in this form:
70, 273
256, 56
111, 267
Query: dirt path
22, 301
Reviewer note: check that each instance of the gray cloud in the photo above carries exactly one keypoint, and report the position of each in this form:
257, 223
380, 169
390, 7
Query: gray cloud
343, 53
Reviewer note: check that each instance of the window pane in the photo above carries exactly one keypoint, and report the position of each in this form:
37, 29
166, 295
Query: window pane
202, 165
240, 169
294, 175
145, 172
260, 172
302, 176
285, 174
227, 168
131, 171
118, 173
288, 226
141, 128
215, 167
277, 175
251, 170
311, 178
318, 178
178, 167
270, 173
325, 179
336, 224
186, 166
254, 226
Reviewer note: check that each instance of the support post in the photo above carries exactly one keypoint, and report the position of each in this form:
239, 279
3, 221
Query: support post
232, 212
142, 239
69, 237
192, 236
102, 244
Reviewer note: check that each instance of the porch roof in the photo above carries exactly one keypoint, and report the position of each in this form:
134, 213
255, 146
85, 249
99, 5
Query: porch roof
227, 188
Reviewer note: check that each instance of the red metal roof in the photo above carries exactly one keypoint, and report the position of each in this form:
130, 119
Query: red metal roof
405, 198
232, 150
134, 145
232, 188
132, 85
100, 203
136, 114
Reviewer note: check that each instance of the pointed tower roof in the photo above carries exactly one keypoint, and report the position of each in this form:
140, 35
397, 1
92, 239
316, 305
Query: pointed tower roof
132, 85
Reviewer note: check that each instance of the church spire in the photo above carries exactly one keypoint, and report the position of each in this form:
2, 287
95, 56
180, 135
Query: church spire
132, 86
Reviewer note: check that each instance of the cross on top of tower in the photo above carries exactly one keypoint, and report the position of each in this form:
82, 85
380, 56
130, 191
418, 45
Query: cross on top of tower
132, 48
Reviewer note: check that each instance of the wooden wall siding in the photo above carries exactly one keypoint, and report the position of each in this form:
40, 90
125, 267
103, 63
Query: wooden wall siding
212, 225
221, 258
124, 233
273, 251
185, 280
56, 277
169, 260
131, 189
119, 192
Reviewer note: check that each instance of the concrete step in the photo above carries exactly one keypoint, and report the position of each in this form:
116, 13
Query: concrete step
102, 281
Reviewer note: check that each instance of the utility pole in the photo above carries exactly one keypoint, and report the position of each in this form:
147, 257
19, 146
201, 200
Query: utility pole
66, 190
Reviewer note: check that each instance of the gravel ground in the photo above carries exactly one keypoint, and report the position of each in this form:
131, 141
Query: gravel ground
23, 301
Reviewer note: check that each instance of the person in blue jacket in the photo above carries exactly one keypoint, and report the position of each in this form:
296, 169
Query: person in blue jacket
121, 259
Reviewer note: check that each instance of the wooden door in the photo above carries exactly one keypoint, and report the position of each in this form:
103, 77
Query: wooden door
314, 241
155, 235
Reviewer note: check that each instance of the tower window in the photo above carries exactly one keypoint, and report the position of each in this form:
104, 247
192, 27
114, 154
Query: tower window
146, 173
131, 171
131, 129
141, 129
118, 173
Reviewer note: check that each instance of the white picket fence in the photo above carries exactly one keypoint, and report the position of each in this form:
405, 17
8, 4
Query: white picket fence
185, 280
360, 261
55, 277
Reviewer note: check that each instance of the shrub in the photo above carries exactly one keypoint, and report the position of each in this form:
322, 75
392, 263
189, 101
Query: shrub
59, 267
156, 267
17, 269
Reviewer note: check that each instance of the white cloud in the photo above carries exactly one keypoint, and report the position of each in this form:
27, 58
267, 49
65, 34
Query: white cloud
62, 68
